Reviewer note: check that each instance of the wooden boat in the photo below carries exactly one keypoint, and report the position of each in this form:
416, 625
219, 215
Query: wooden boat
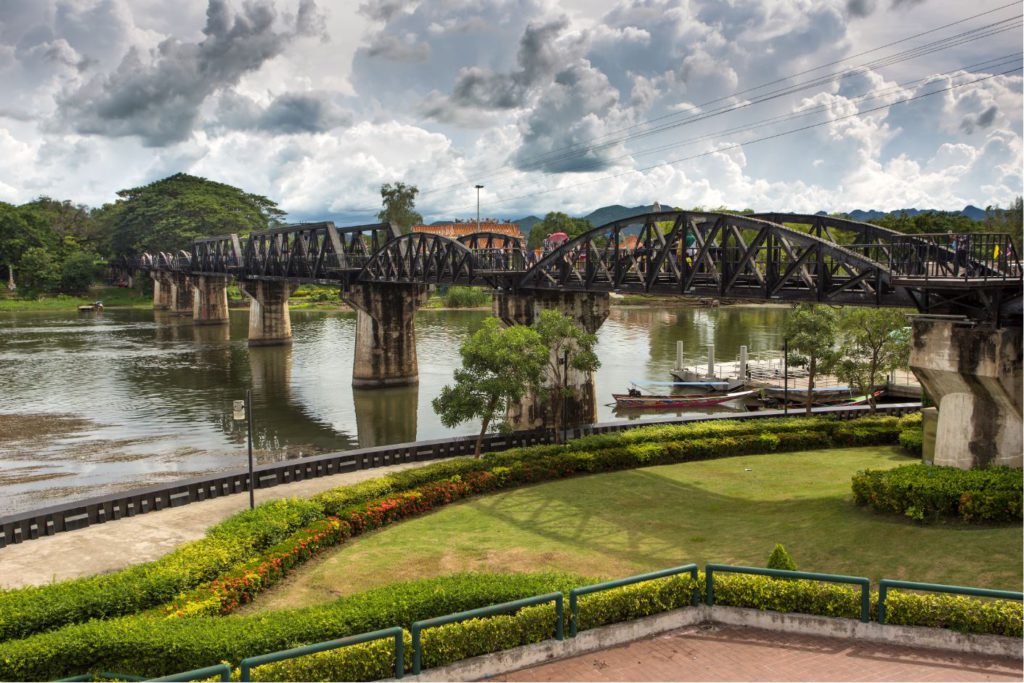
820, 395
862, 400
663, 401
90, 308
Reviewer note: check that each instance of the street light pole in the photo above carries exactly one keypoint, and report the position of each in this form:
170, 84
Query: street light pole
478, 188
785, 376
243, 411
565, 391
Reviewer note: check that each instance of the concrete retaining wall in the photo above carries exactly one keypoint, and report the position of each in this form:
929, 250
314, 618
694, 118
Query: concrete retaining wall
605, 637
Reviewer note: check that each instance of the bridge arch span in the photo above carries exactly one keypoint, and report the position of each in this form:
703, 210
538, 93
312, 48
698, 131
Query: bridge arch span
426, 258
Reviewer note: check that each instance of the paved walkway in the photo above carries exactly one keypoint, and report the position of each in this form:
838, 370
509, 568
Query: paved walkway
736, 653
114, 545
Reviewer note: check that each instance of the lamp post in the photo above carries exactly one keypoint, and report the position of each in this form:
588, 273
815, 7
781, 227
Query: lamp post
243, 411
565, 391
478, 188
785, 376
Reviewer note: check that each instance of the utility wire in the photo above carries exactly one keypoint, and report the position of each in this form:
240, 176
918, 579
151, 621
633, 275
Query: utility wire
751, 142
928, 48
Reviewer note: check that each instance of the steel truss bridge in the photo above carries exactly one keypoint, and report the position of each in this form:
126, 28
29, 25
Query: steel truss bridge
767, 257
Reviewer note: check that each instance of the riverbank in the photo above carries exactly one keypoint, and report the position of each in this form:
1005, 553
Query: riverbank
112, 297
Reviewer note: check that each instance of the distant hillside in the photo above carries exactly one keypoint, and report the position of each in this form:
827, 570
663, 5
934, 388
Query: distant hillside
526, 224
972, 212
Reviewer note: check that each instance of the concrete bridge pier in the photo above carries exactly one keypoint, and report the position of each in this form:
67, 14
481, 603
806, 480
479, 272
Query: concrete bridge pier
974, 376
161, 290
385, 333
181, 297
589, 311
269, 323
210, 302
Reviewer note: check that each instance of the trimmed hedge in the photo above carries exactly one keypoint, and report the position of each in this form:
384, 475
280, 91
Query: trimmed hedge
153, 647
955, 612
911, 437
930, 493
245, 543
30, 610
222, 596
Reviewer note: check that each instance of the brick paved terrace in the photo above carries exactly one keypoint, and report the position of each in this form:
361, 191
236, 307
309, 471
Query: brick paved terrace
736, 653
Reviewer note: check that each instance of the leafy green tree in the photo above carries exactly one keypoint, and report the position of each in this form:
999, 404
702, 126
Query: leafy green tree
168, 214
77, 272
21, 229
780, 559
499, 366
399, 201
565, 341
553, 222
1009, 220
811, 331
872, 342
40, 270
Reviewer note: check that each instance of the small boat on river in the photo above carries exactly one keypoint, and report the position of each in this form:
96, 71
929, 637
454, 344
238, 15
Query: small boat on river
94, 307
638, 400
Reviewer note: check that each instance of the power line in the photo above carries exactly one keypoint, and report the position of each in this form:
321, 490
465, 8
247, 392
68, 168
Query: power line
751, 142
921, 50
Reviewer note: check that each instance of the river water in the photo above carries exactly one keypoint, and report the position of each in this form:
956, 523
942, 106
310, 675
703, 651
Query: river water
99, 403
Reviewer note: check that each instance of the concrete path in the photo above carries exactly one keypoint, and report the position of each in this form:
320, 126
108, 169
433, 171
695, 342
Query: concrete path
737, 653
115, 545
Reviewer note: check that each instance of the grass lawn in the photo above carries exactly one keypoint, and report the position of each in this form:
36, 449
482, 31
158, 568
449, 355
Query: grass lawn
732, 510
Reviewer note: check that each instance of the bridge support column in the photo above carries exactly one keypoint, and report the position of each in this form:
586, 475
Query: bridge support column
181, 293
385, 333
210, 303
269, 324
161, 290
974, 376
589, 311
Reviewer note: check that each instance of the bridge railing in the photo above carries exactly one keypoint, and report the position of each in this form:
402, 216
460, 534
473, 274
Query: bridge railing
984, 256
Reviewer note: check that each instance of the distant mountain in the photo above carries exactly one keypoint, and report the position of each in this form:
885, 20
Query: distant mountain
526, 224
607, 214
972, 212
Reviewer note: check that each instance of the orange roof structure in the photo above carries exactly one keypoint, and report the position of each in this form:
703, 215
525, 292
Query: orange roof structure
457, 230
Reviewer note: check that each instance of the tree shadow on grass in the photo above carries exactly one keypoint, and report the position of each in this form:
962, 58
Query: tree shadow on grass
647, 520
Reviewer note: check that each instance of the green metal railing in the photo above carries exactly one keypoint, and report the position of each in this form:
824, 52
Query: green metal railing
885, 584
494, 610
249, 663
222, 670
575, 593
864, 583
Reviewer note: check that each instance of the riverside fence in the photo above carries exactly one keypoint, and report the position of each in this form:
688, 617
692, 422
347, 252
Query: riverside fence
56, 519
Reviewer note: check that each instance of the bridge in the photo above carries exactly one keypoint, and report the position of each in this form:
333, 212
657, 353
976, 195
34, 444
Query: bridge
967, 344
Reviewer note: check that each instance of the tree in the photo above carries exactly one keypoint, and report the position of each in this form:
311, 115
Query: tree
40, 270
553, 222
1009, 220
811, 331
168, 214
399, 202
21, 229
872, 342
568, 345
780, 559
499, 366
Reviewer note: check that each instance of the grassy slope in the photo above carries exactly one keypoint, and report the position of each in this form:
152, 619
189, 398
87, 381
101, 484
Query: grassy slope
618, 524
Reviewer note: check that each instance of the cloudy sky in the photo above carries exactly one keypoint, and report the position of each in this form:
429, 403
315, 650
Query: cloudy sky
571, 105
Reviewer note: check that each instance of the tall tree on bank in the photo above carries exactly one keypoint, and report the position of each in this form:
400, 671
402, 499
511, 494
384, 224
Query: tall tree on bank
811, 332
399, 202
499, 366
556, 221
570, 348
872, 342
168, 214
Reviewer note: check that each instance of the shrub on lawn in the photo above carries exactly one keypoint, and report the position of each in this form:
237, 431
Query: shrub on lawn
911, 437
780, 559
929, 493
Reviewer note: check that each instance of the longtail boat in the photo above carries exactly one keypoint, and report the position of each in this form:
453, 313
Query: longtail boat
663, 401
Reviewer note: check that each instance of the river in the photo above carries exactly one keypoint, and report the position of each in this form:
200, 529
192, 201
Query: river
99, 403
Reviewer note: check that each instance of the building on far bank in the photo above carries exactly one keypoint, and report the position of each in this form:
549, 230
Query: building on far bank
458, 229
